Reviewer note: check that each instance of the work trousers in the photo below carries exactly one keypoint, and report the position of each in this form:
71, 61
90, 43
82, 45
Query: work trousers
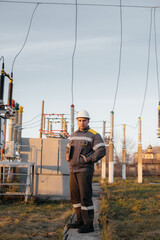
81, 196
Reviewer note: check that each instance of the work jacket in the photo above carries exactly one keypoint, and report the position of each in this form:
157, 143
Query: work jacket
88, 143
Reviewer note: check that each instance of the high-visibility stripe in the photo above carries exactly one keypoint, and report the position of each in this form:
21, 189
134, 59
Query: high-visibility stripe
98, 145
81, 138
92, 131
77, 205
87, 208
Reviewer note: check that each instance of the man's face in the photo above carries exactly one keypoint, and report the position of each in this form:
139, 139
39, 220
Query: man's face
82, 123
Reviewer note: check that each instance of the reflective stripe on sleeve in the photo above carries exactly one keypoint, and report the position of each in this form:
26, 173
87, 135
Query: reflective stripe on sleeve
98, 145
87, 208
81, 138
77, 205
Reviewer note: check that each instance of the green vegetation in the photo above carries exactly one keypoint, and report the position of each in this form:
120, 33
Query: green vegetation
130, 210
31, 220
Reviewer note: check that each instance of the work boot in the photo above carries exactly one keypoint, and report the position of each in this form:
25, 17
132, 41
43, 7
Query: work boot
76, 224
86, 229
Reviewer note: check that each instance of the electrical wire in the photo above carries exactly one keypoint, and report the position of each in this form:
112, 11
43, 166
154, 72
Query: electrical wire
30, 127
2, 58
155, 38
75, 45
32, 119
32, 123
79, 4
134, 127
120, 56
148, 62
29, 28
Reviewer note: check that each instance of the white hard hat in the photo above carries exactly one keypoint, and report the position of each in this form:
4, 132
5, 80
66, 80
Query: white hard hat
82, 114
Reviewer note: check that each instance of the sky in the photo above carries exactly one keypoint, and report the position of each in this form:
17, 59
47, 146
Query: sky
43, 70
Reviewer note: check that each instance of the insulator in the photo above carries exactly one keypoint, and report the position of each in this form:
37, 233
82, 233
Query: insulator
10, 93
1, 87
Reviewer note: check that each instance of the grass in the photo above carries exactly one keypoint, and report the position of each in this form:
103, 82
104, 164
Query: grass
130, 210
32, 220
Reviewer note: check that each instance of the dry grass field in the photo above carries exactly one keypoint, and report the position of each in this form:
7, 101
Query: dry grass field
130, 210
20, 220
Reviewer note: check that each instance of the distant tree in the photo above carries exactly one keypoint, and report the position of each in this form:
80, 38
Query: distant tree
130, 148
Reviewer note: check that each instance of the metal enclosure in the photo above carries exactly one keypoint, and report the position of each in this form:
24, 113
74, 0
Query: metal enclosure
51, 168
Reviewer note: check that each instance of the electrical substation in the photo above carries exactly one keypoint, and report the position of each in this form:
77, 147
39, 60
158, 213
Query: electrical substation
37, 166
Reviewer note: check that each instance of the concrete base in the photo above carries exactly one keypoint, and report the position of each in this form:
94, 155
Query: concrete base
111, 172
103, 173
123, 171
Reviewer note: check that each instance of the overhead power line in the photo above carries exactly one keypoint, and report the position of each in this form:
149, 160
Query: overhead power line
80, 4
32, 119
148, 62
30, 127
156, 55
31, 123
74, 50
29, 28
120, 56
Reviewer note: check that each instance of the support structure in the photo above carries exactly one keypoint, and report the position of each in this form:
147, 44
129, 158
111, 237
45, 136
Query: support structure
16, 123
103, 173
47, 125
42, 112
111, 147
10, 125
124, 154
20, 112
62, 123
140, 172
72, 118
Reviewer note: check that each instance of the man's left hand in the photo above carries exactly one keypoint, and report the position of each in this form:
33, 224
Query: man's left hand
84, 158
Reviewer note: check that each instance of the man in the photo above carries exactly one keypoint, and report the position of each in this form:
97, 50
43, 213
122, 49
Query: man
84, 149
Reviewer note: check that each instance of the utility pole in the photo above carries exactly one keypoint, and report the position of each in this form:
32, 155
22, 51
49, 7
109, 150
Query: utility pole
42, 112
111, 147
140, 175
124, 154
72, 118
103, 174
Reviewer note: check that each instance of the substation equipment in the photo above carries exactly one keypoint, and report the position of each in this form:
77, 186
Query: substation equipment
51, 176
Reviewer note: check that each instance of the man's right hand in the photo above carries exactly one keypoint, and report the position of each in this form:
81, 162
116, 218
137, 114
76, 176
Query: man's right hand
67, 157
